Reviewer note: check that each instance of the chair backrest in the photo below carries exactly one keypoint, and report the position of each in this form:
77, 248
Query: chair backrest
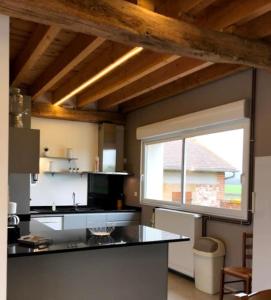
247, 248
263, 295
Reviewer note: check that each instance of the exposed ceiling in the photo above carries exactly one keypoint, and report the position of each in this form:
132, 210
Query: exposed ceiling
90, 73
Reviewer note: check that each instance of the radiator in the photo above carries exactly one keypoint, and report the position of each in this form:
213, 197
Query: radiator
180, 254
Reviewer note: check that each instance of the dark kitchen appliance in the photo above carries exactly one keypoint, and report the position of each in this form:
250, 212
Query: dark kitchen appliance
104, 190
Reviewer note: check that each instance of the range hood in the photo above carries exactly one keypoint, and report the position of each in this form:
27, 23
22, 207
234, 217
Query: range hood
111, 149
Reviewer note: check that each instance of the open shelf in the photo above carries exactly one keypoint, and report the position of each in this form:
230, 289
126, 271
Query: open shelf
64, 173
60, 157
87, 172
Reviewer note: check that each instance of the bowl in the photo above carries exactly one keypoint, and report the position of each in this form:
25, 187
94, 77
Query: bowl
101, 231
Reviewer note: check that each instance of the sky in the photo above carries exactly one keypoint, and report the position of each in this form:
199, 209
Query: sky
227, 145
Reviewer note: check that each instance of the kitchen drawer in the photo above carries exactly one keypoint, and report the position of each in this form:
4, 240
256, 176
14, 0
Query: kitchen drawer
75, 221
130, 216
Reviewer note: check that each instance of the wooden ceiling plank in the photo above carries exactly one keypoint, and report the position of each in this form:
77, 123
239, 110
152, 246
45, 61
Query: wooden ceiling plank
36, 46
201, 6
49, 111
236, 12
79, 49
130, 24
257, 28
176, 70
148, 4
144, 64
110, 54
202, 77
177, 8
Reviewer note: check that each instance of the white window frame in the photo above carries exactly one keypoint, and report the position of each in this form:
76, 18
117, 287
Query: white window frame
241, 214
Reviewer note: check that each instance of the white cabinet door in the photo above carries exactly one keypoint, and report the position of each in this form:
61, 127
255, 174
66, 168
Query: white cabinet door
129, 216
75, 221
55, 223
121, 223
96, 220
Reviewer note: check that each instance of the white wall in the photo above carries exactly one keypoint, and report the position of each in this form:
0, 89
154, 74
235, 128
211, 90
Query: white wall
4, 96
58, 135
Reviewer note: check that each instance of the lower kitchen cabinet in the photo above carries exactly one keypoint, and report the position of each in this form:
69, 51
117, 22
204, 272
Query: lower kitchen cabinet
78, 221
75, 221
121, 223
54, 222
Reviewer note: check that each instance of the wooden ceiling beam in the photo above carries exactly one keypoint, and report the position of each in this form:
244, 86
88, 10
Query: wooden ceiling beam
202, 77
160, 77
180, 68
109, 54
130, 24
49, 111
79, 49
36, 46
146, 63
111, 85
234, 12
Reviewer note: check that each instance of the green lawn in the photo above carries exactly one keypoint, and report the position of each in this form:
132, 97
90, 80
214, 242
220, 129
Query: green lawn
233, 189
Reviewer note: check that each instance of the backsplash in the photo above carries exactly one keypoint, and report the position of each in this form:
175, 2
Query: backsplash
59, 135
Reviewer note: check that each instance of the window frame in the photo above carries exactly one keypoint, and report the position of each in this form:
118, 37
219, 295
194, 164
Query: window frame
241, 214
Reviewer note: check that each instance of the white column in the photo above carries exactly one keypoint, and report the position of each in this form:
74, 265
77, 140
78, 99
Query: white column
262, 224
4, 96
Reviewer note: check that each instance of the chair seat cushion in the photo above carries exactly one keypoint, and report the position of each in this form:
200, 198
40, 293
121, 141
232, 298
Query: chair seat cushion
240, 272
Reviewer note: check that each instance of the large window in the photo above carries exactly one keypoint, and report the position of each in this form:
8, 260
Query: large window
203, 170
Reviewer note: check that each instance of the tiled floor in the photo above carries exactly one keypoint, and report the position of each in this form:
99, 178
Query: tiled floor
180, 288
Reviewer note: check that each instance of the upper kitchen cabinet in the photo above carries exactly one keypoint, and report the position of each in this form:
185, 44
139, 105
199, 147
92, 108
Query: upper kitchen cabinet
24, 150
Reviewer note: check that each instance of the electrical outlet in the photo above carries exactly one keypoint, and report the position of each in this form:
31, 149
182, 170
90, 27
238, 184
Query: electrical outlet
135, 194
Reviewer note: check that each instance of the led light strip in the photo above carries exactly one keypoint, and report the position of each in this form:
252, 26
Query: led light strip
101, 74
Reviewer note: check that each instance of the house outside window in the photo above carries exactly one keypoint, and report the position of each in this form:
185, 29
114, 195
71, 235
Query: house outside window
202, 169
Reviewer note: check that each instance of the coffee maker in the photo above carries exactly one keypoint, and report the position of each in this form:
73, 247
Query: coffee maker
13, 219
13, 222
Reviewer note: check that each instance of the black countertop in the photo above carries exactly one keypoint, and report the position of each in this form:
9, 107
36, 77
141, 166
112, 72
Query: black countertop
81, 239
46, 210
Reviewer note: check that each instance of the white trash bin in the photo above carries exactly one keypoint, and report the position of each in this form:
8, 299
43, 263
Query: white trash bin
209, 256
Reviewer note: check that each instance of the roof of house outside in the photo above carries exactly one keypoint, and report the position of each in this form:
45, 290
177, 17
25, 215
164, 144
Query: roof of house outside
199, 157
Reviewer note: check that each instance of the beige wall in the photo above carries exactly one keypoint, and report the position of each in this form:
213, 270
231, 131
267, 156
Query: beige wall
223, 91
4, 96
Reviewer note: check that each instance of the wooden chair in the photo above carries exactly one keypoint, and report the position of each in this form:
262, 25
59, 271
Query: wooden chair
263, 295
243, 273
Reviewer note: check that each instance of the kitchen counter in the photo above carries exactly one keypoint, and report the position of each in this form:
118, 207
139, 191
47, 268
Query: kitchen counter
81, 239
130, 264
46, 210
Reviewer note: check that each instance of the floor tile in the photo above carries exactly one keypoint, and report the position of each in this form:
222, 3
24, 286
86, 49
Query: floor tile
181, 288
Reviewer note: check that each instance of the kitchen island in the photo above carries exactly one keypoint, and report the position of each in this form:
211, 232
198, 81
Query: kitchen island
131, 264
